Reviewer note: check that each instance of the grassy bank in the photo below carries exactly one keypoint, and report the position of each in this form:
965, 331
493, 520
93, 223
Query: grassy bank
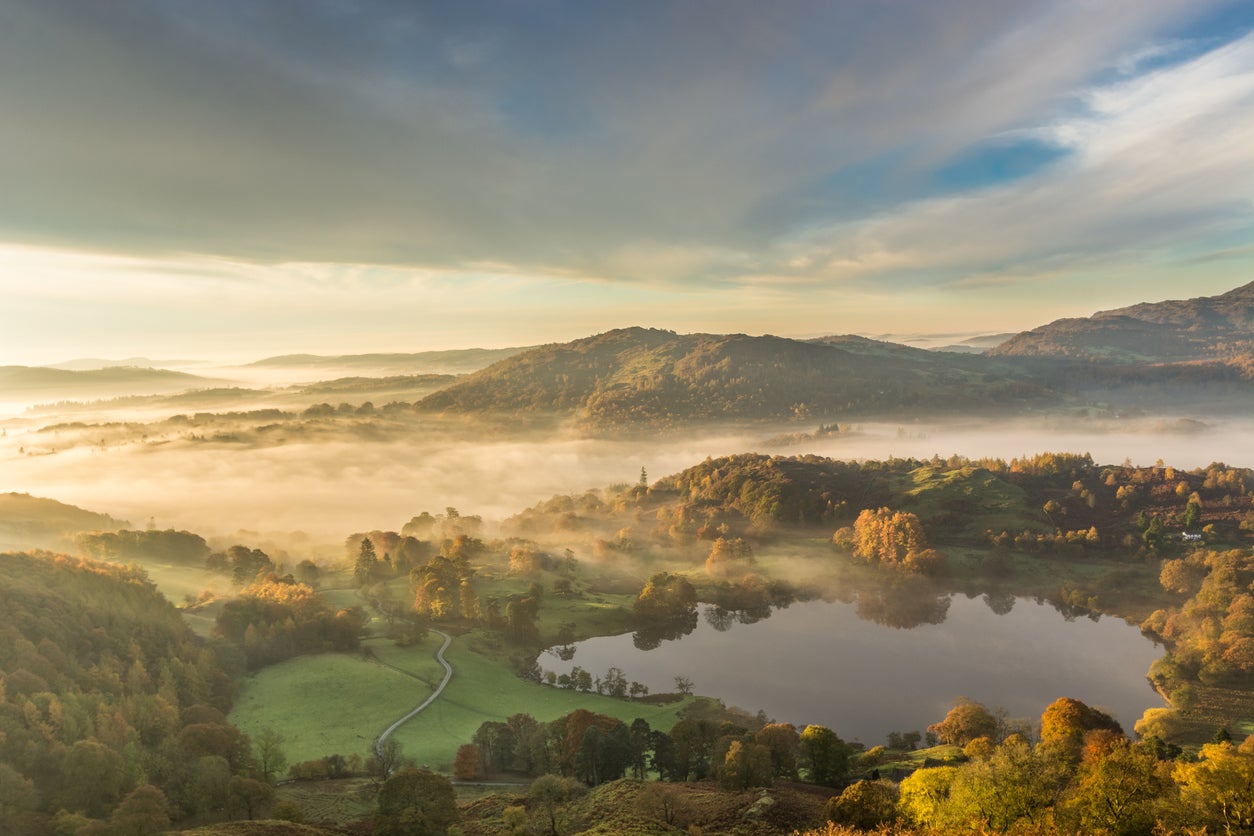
483, 689
337, 703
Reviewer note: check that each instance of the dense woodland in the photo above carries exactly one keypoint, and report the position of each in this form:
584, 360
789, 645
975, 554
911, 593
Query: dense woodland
1074, 772
112, 713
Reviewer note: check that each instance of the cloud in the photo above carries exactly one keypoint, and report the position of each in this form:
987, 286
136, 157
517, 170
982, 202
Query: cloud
1155, 163
680, 143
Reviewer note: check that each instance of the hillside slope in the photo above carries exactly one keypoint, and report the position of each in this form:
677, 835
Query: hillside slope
1205, 328
653, 378
37, 382
33, 522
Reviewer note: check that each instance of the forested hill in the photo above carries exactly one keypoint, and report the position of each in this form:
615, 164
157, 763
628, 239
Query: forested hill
106, 696
655, 378
33, 522
1050, 501
1205, 328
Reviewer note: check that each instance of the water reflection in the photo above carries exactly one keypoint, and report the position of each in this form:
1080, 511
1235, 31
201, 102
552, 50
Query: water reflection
892, 659
651, 637
1000, 602
911, 603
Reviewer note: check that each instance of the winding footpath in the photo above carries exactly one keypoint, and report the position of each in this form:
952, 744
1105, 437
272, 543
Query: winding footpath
448, 674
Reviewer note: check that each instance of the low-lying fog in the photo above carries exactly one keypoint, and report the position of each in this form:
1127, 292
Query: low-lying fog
330, 488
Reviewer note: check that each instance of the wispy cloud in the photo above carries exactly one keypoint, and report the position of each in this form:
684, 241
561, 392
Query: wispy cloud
1154, 162
752, 150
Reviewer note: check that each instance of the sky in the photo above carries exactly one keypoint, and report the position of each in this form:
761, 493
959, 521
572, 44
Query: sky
233, 180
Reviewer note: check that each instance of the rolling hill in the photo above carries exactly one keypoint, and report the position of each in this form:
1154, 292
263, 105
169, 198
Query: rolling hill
33, 522
42, 383
1210, 328
652, 378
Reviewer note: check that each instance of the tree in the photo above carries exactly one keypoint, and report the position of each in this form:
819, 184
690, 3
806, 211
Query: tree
268, 752
92, 776
683, 685
18, 797
415, 802
746, 765
665, 597
615, 683
388, 757
307, 572
1219, 787
865, 805
784, 744
248, 797
1065, 722
728, 557
210, 782
641, 737
144, 812
367, 564
1192, 512
1016, 782
893, 537
966, 721
663, 802
552, 793
827, 756
466, 763
1118, 787
923, 794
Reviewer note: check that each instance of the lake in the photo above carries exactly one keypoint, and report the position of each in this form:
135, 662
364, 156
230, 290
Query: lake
821, 662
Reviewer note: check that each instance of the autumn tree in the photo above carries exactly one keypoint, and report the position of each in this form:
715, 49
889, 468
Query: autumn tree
1219, 786
415, 802
923, 794
1016, 782
1120, 787
664, 597
784, 744
143, 812
894, 538
1066, 721
466, 763
966, 721
728, 557
746, 765
865, 804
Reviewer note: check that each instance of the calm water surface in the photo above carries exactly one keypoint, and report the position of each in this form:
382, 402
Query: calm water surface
818, 662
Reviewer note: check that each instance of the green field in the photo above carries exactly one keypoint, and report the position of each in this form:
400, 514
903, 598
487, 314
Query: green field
482, 689
337, 703
332, 703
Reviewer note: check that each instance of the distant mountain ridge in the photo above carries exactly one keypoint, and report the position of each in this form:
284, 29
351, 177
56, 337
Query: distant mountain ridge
650, 377
453, 361
1205, 328
44, 382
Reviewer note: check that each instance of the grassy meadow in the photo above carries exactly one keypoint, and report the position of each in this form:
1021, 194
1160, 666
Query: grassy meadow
335, 703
